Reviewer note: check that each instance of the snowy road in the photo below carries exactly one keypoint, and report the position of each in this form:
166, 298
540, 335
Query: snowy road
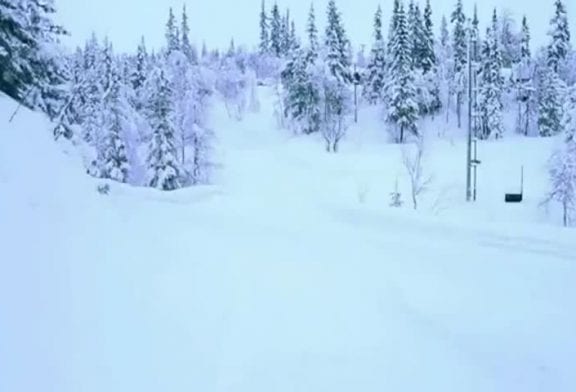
275, 280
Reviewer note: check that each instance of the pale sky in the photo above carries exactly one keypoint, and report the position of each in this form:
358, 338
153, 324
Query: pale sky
216, 21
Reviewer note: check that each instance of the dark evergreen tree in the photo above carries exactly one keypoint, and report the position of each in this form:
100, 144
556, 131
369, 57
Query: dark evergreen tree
276, 32
490, 97
459, 48
401, 95
376, 75
337, 45
264, 46
417, 36
301, 102
428, 55
186, 46
15, 41
172, 35
312, 31
140, 69
559, 47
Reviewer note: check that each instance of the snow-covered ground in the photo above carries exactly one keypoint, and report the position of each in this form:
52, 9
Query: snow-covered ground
290, 273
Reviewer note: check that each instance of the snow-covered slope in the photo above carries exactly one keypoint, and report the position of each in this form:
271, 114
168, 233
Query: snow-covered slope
277, 278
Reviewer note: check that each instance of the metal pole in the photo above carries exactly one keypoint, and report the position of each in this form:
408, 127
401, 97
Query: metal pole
470, 125
355, 96
475, 168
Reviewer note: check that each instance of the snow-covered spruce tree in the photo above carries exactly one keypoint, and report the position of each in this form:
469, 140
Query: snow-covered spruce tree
423, 61
550, 91
402, 108
172, 34
47, 91
445, 66
186, 46
163, 168
139, 73
312, 32
337, 45
509, 39
264, 45
70, 117
113, 160
429, 61
376, 73
107, 65
15, 41
275, 31
459, 48
286, 39
490, 96
562, 171
524, 71
301, 98
562, 165
91, 109
416, 36
559, 47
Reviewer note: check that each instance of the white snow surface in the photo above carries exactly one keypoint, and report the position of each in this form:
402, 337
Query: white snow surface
278, 277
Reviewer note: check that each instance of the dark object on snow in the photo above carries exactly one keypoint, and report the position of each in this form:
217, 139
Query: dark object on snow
516, 197
103, 189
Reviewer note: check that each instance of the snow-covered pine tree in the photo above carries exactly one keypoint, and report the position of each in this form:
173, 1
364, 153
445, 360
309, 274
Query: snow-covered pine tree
107, 65
376, 74
459, 48
15, 41
562, 166
186, 46
559, 47
431, 74
401, 94
524, 83
393, 24
428, 48
163, 168
550, 93
113, 159
562, 172
337, 45
490, 96
47, 90
417, 36
301, 100
294, 41
445, 66
312, 31
509, 40
140, 69
172, 35
264, 45
276, 31
285, 40
91, 109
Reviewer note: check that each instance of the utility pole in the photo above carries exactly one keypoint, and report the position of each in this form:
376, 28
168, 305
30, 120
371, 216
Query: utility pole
356, 81
470, 123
